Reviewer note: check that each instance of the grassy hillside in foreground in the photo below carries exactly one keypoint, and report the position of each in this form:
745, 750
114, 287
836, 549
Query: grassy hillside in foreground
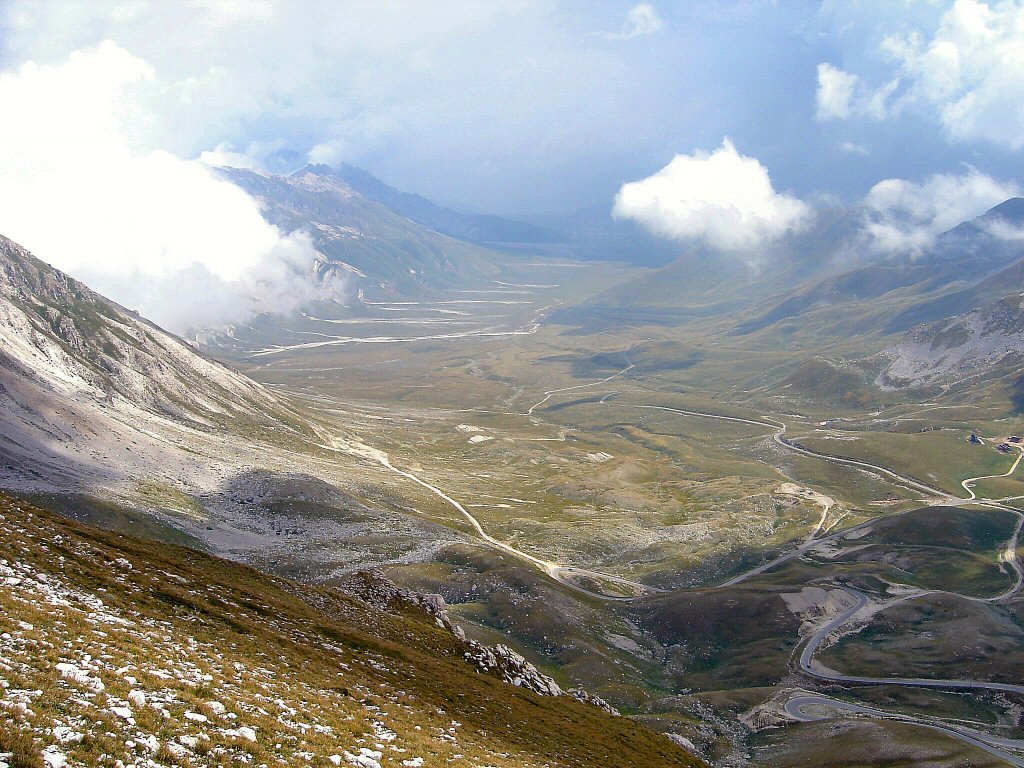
117, 650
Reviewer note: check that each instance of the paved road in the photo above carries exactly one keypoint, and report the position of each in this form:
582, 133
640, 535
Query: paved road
860, 601
990, 744
560, 572
779, 436
795, 708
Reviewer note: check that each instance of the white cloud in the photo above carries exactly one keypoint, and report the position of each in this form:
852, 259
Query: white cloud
722, 198
854, 149
1005, 231
842, 95
971, 72
904, 216
642, 19
225, 156
330, 152
157, 233
835, 92
967, 71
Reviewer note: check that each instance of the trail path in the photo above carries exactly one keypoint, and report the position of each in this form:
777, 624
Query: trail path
795, 707
968, 484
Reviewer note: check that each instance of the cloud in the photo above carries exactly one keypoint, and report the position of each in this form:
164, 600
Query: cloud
455, 99
723, 198
1005, 231
904, 216
642, 19
156, 233
225, 156
842, 95
854, 149
971, 72
835, 92
967, 73
330, 152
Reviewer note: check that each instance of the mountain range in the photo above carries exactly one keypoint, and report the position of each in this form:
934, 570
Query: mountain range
105, 416
113, 422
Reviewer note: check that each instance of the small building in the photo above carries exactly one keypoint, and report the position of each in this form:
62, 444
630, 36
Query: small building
1014, 439
974, 439
1003, 447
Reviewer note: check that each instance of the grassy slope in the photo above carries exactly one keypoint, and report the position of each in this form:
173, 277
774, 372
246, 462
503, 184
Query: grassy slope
315, 672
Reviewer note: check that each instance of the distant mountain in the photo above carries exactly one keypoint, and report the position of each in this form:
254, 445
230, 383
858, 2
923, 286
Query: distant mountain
380, 249
824, 281
998, 222
891, 295
477, 228
702, 283
594, 234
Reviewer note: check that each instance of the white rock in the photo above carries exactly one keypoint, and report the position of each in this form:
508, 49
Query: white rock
138, 698
216, 707
413, 762
79, 676
124, 713
367, 758
195, 717
65, 735
54, 758
683, 742
176, 750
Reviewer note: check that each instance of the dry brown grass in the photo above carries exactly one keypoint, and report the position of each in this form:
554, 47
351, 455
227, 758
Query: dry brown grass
313, 671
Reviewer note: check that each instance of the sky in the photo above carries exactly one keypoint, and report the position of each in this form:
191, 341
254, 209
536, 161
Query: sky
115, 110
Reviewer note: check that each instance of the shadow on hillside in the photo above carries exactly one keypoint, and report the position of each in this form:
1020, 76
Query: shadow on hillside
1017, 394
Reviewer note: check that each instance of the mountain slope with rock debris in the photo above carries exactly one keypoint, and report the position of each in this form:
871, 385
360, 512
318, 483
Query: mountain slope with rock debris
114, 651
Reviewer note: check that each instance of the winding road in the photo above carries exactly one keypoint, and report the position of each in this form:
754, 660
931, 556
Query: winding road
795, 706
808, 665
557, 571
968, 484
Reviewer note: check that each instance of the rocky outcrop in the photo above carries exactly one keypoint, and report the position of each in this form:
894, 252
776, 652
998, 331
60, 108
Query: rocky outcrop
499, 661
957, 347
502, 662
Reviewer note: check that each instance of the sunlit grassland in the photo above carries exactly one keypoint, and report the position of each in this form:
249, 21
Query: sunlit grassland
942, 458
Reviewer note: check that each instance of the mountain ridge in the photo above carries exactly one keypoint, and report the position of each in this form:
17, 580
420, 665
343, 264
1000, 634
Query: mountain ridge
382, 251
477, 228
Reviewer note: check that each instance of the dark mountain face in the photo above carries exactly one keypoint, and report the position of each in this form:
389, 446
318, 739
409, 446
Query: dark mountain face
476, 228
